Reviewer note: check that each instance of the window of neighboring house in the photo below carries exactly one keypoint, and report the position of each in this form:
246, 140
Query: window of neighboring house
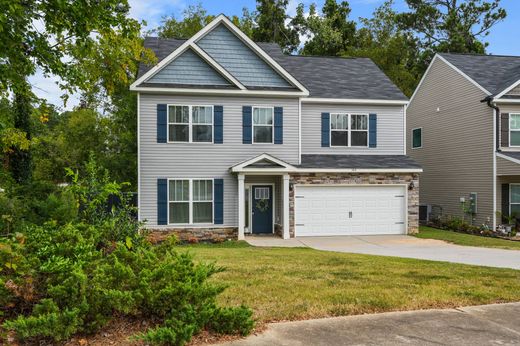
417, 138
349, 130
514, 130
190, 123
190, 201
514, 199
262, 125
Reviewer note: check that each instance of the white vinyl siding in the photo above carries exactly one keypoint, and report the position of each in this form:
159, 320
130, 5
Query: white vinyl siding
390, 129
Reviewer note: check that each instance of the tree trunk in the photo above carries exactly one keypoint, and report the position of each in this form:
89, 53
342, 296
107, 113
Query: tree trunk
20, 160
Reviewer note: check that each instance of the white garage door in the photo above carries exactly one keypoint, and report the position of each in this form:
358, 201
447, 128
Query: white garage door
349, 210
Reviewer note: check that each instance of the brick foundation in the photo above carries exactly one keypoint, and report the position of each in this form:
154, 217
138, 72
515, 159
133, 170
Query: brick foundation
361, 178
194, 235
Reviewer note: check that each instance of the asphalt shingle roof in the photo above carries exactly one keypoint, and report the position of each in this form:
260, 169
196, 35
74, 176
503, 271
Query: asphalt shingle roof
358, 161
324, 77
493, 72
512, 154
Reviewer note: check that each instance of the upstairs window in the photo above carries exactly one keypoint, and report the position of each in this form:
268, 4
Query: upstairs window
262, 125
417, 138
190, 124
514, 130
349, 130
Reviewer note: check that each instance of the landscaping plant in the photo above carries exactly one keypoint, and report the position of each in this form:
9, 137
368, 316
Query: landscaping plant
59, 279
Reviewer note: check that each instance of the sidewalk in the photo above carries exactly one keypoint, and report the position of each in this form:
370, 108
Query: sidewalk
497, 324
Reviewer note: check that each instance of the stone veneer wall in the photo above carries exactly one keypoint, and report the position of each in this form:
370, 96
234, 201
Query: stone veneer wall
194, 235
361, 178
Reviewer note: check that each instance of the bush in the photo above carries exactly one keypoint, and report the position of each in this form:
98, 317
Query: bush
60, 279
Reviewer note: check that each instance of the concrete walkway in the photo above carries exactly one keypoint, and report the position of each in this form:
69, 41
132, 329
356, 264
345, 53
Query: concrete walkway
401, 246
479, 325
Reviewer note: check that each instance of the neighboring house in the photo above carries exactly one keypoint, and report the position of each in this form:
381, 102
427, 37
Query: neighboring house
235, 137
463, 123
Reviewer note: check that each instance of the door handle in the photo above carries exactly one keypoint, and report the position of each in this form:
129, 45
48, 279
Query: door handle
350, 215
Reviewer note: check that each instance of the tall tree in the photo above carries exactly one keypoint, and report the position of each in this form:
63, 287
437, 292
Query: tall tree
54, 36
395, 51
328, 33
452, 25
271, 19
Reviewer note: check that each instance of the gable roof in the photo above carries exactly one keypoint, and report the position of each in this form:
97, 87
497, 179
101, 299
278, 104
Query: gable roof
494, 73
324, 77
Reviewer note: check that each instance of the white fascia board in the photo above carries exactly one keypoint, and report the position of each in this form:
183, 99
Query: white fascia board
508, 89
353, 101
224, 92
241, 166
507, 101
327, 170
505, 157
270, 61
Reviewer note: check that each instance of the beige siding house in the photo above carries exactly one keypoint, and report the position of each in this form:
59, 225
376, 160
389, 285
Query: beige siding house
461, 126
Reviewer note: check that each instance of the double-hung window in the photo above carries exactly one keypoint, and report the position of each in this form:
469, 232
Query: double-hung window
514, 199
349, 130
190, 124
514, 130
262, 125
190, 201
417, 138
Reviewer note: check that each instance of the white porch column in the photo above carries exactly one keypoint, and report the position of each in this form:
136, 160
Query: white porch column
286, 234
241, 207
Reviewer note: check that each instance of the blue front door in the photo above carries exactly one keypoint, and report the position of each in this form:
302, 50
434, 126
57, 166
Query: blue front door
262, 209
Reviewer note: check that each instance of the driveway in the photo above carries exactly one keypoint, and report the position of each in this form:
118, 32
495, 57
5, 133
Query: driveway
479, 325
402, 246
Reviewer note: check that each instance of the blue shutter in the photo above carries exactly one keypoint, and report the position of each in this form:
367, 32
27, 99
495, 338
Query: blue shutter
162, 126
218, 124
278, 125
372, 130
162, 201
325, 129
218, 201
247, 122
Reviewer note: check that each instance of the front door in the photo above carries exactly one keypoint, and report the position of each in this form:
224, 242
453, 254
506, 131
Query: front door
262, 209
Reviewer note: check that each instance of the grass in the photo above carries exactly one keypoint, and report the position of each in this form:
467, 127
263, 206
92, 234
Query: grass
466, 239
302, 283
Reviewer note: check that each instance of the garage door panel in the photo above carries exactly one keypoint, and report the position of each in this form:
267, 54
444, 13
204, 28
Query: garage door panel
324, 210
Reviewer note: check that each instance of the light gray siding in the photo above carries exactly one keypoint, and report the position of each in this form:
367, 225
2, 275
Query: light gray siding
458, 147
239, 60
188, 68
390, 127
168, 160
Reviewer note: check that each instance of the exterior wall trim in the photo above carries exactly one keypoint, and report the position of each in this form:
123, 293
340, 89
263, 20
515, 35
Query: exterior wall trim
353, 101
508, 89
508, 158
226, 92
328, 170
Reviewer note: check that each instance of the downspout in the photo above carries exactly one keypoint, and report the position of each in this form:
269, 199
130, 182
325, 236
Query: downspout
496, 135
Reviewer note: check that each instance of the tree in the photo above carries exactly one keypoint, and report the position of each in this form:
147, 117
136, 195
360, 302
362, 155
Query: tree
57, 37
452, 25
329, 33
271, 25
395, 51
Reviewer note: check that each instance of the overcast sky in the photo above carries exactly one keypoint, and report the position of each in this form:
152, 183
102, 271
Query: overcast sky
502, 40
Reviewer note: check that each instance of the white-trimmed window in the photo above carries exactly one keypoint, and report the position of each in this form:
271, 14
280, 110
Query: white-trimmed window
514, 130
191, 124
348, 130
263, 122
190, 201
514, 199
417, 138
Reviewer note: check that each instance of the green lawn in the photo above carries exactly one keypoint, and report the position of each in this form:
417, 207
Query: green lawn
466, 239
301, 283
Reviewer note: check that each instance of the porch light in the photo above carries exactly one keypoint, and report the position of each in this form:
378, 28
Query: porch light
411, 186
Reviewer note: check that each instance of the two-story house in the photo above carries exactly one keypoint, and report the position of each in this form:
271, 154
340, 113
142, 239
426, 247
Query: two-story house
464, 129
236, 137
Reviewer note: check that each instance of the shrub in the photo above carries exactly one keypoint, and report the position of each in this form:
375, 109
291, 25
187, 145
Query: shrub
60, 279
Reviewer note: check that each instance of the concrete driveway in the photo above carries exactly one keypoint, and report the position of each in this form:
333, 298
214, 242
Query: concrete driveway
402, 246
478, 325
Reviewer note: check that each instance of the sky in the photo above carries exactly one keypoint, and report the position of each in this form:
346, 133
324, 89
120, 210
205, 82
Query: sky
503, 39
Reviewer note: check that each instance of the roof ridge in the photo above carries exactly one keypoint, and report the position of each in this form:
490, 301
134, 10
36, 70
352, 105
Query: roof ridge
486, 55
